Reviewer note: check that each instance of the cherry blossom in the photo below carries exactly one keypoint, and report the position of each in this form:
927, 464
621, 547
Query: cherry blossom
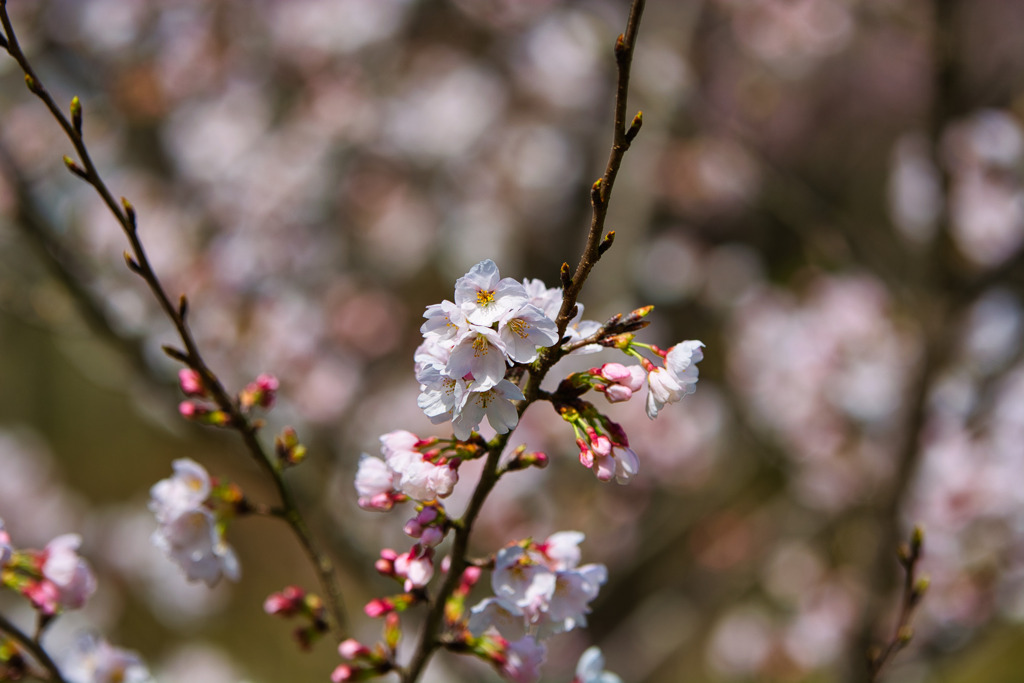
590, 668
484, 296
94, 660
677, 379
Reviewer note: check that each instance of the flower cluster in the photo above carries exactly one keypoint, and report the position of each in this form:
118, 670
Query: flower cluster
94, 660
55, 578
190, 530
412, 468
469, 344
539, 589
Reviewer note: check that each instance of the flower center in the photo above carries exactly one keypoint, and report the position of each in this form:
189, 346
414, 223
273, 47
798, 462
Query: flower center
485, 297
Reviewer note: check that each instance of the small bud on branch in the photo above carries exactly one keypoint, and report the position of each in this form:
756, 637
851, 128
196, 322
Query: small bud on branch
596, 192
132, 263
32, 84
75, 168
129, 211
76, 114
176, 354
634, 127
620, 47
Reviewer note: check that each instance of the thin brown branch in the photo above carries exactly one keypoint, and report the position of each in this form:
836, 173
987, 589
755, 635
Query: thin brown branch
32, 646
914, 589
600, 195
139, 263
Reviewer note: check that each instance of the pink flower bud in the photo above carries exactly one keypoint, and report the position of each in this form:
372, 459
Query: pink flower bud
352, 648
431, 536
470, 576
190, 382
344, 672
378, 607
602, 445
286, 603
586, 457
614, 372
617, 393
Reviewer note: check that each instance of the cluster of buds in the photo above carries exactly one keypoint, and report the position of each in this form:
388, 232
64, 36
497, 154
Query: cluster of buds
616, 381
604, 446
363, 662
260, 393
53, 579
288, 449
192, 514
293, 601
429, 524
414, 568
197, 407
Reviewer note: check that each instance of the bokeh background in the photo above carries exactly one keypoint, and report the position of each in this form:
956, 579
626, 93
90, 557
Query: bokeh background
828, 193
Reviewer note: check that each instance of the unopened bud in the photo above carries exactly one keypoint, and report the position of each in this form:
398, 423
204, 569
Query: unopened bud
76, 114
916, 540
634, 127
73, 166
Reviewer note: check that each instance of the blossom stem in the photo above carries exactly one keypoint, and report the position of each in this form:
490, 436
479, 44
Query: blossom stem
34, 647
429, 641
139, 263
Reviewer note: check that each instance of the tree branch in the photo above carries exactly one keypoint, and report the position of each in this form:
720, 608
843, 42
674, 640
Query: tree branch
138, 262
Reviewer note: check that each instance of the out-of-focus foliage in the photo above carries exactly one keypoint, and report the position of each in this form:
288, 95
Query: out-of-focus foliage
827, 192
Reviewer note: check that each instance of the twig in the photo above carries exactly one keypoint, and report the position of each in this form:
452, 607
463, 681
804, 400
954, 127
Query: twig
600, 195
913, 590
34, 647
138, 262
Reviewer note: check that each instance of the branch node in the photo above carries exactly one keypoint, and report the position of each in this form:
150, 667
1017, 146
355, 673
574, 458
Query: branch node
182, 307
